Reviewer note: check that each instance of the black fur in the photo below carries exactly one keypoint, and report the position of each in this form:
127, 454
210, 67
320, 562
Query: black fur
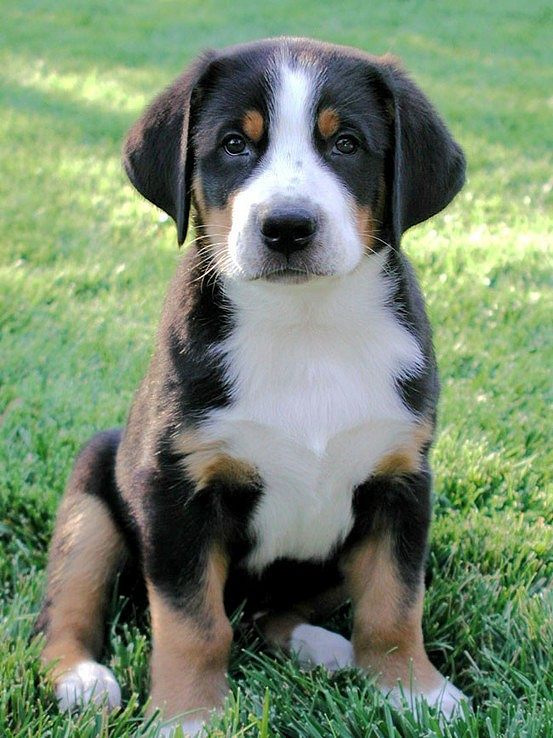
158, 156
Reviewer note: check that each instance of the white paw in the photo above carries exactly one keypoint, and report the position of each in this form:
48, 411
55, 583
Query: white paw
189, 728
88, 682
446, 698
316, 646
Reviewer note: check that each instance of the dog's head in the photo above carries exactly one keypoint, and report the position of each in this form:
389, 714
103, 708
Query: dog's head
299, 157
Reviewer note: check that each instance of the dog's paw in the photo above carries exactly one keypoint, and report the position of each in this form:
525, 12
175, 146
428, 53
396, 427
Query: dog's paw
88, 682
316, 646
446, 698
188, 729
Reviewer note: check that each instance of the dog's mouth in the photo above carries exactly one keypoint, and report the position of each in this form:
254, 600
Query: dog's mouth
289, 275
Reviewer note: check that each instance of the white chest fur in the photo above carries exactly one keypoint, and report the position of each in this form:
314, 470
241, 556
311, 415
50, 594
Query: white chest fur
314, 405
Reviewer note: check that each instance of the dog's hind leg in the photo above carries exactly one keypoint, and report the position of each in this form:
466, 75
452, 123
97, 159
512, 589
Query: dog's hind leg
292, 631
310, 644
86, 551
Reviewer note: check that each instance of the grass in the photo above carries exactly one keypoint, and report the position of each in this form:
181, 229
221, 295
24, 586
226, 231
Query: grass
84, 264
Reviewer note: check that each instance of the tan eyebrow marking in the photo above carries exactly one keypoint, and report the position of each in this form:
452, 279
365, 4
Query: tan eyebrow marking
328, 122
253, 125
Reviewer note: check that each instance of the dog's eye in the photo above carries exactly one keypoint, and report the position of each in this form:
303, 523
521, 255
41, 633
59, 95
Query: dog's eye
346, 144
234, 144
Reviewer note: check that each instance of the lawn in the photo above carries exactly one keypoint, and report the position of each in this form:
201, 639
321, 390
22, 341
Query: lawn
84, 265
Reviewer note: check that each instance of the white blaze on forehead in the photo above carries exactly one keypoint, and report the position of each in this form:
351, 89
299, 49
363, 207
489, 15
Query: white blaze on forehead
293, 114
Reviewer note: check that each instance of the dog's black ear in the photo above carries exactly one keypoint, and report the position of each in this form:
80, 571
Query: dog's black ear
428, 166
158, 155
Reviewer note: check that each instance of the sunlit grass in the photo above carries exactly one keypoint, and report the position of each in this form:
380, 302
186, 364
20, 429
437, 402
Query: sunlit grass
83, 269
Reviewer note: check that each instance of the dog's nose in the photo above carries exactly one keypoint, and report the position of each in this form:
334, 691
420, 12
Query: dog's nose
288, 229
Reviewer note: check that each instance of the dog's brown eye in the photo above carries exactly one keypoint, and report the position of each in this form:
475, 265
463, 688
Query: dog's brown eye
346, 144
234, 144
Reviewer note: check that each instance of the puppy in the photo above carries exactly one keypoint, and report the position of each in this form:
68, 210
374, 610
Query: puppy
277, 450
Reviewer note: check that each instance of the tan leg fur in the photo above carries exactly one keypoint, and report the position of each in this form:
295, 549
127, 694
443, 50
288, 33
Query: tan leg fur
190, 652
387, 629
85, 552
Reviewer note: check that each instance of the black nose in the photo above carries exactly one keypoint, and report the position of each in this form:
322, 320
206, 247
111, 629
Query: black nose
288, 229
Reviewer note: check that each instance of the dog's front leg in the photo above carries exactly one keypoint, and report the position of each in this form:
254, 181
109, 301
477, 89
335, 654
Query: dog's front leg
191, 634
191, 638
188, 534
385, 578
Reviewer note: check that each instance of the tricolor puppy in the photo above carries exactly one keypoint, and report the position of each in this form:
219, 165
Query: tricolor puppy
277, 450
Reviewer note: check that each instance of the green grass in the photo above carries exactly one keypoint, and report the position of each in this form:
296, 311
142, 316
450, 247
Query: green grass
84, 264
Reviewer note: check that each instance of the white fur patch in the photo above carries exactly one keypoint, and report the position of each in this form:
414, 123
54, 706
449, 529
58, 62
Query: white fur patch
88, 682
190, 729
446, 698
312, 371
316, 646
